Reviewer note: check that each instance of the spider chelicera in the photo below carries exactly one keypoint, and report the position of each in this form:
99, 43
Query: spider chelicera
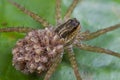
67, 29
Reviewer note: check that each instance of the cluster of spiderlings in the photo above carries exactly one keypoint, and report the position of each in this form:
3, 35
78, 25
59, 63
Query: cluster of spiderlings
37, 51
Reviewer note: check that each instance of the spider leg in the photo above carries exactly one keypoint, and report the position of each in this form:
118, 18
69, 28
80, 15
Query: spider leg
31, 14
53, 67
58, 11
73, 62
93, 35
70, 9
96, 49
16, 29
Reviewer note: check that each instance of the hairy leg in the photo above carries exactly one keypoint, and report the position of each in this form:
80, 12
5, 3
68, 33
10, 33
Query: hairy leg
53, 67
70, 9
73, 62
89, 36
33, 15
16, 29
58, 11
96, 49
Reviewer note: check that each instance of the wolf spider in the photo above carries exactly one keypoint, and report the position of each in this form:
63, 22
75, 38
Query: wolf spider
68, 29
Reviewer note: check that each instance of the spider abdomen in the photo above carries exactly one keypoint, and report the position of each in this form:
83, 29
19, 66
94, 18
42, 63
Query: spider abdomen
36, 52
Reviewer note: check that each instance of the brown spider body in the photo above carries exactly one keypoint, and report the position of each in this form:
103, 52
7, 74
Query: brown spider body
42, 50
38, 50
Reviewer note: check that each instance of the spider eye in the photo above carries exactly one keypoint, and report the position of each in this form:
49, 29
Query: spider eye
73, 22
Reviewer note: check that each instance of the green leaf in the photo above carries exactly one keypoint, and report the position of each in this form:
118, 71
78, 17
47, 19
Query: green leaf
92, 14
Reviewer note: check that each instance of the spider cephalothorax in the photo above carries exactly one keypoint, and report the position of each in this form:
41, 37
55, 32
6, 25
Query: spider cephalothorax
42, 49
68, 30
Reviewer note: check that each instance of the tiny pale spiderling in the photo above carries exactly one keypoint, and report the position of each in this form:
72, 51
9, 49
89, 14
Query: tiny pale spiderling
41, 50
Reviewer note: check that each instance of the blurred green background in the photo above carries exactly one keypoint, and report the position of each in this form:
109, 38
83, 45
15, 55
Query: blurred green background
93, 15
